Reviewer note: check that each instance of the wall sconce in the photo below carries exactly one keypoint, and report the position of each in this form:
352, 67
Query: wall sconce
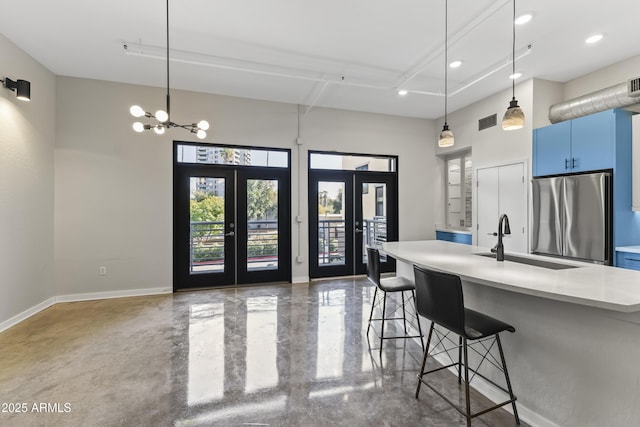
21, 87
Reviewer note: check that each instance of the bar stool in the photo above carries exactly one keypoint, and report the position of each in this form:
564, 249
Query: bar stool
387, 285
440, 299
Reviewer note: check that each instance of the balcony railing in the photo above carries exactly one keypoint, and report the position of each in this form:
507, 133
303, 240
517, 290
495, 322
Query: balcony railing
207, 245
331, 238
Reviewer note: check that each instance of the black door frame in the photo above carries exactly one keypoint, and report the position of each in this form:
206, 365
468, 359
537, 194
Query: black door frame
346, 269
387, 264
236, 235
353, 180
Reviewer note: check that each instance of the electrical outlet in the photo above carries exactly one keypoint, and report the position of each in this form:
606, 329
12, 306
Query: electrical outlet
102, 271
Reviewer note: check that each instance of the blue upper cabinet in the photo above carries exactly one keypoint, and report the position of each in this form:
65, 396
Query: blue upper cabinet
583, 144
552, 149
593, 141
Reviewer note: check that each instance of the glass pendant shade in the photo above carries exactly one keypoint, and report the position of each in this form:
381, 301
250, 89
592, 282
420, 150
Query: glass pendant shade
446, 137
514, 117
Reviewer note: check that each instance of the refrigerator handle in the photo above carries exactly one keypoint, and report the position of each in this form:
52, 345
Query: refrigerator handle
608, 256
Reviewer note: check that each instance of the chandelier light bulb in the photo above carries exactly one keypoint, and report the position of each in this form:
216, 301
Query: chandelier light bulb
162, 116
136, 111
203, 124
138, 127
159, 129
201, 134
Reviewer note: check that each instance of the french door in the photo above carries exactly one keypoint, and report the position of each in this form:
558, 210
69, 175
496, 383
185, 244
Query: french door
348, 211
231, 225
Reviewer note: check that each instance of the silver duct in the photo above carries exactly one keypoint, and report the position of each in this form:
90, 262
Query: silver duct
605, 99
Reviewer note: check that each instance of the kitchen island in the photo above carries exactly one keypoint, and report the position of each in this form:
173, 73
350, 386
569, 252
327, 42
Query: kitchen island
575, 357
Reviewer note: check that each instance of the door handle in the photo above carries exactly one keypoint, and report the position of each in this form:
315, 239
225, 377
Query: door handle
573, 163
566, 163
358, 230
230, 234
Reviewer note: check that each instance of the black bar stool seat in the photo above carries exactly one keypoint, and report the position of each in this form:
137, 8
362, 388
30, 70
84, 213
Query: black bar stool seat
396, 284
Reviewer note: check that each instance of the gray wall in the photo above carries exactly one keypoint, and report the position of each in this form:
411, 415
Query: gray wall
27, 134
114, 186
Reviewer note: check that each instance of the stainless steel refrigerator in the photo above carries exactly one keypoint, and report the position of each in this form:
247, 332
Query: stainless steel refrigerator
572, 217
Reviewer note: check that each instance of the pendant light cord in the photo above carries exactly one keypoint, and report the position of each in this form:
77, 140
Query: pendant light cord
513, 52
168, 96
446, 56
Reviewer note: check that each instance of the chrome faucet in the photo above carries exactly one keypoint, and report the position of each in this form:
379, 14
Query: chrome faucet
498, 249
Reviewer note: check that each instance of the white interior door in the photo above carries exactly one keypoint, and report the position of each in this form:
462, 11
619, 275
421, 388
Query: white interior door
513, 202
487, 206
502, 190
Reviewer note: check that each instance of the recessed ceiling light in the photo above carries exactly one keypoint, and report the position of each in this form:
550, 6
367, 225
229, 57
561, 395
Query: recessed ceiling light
402, 92
523, 19
594, 39
455, 64
515, 76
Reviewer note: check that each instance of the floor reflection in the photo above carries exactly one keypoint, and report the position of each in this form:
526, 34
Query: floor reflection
206, 353
252, 351
290, 355
330, 335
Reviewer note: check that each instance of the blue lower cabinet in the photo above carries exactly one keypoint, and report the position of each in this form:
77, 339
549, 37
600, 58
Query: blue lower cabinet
454, 237
628, 260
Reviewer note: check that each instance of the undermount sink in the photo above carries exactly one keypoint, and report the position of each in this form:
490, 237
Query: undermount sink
534, 262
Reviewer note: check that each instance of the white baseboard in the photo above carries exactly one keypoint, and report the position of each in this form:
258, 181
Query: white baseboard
112, 294
79, 297
300, 279
27, 313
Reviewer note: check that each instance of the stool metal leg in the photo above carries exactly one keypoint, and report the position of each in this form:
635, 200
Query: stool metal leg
424, 360
413, 294
459, 359
384, 306
373, 304
404, 313
506, 377
466, 382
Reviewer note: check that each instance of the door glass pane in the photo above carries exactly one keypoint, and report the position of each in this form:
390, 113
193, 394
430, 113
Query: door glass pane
230, 155
331, 223
349, 162
262, 224
374, 217
206, 236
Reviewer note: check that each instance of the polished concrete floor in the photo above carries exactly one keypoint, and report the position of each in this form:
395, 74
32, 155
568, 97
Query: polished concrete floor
281, 355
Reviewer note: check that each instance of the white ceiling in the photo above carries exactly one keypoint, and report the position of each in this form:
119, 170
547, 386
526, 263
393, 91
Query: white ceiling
349, 54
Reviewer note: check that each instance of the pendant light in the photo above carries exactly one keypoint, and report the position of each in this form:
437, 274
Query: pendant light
162, 117
446, 136
514, 117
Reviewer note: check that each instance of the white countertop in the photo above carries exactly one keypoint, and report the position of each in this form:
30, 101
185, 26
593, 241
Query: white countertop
632, 249
592, 285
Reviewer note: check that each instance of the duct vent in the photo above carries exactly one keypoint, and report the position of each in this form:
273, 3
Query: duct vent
489, 122
633, 88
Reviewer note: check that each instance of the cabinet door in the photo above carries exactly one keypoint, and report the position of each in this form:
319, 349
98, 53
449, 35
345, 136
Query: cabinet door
513, 202
502, 190
552, 149
592, 141
487, 206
